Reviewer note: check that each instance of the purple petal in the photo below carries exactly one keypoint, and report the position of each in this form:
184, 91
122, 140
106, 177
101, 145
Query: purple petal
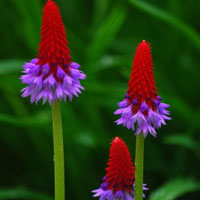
144, 107
45, 69
60, 73
34, 60
50, 80
75, 65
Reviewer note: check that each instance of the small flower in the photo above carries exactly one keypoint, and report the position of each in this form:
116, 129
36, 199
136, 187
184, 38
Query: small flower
52, 75
141, 108
118, 183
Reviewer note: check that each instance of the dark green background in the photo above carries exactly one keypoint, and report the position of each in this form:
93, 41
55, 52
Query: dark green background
103, 36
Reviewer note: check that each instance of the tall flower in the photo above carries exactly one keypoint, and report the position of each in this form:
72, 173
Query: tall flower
142, 106
118, 183
52, 75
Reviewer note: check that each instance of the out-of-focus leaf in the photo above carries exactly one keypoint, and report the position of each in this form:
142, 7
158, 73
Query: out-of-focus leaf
174, 189
127, 45
17, 103
11, 83
112, 88
106, 32
22, 193
183, 108
10, 66
183, 140
78, 47
86, 139
110, 61
30, 14
100, 7
186, 30
38, 120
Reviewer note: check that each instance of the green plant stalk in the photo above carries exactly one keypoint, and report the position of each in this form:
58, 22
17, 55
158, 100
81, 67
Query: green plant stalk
59, 171
139, 161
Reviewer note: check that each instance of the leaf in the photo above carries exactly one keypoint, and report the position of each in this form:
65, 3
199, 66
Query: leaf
110, 61
180, 106
183, 140
30, 14
86, 139
185, 29
175, 189
78, 45
106, 32
10, 66
38, 120
112, 88
17, 103
22, 193
100, 8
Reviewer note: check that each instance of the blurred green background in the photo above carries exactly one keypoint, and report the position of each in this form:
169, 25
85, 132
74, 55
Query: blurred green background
103, 36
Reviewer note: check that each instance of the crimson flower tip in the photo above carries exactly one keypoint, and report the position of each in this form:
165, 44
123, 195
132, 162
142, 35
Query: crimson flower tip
142, 109
116, 139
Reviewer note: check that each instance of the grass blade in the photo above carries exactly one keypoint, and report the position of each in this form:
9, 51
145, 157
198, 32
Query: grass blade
106, 33
183, 140
185, 29
39, 120
10, 66
22, 193
174, 189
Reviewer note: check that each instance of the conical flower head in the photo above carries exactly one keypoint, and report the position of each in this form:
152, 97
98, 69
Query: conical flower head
120, 170
53, 47
141, 86
142, 106
118, 183
52, 75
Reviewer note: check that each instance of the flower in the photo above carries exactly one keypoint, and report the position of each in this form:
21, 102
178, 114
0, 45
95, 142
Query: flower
52, 75
118, 183
142, 106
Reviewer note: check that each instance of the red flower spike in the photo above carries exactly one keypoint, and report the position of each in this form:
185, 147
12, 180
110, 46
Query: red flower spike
142, 84
53, 46
141, 109
120, 170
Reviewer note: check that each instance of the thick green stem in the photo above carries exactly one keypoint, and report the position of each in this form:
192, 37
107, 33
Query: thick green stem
59, 171
139, 160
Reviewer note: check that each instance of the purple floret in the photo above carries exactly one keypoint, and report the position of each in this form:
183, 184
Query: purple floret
108, 194
48, 86
145, 120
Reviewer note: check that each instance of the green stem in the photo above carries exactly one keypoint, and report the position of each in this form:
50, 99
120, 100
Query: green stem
139, 160
59, 171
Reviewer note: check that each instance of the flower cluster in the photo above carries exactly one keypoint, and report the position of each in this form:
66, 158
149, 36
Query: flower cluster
118, 183
141, 106
52, 75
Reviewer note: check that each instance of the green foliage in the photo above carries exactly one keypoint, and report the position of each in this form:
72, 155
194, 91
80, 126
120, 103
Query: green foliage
103, 35
22, 193
183, 140
106, 32
10, 66
186, 30
174, 189
38, 120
